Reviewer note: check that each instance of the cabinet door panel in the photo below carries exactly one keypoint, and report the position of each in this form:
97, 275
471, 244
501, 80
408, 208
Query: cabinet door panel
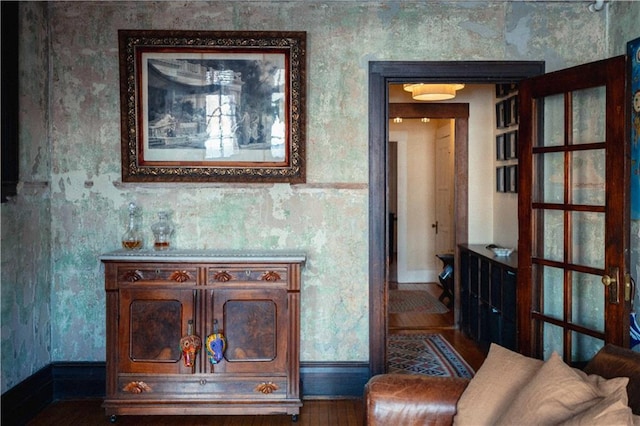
256, 341
509, 284
485, 267
496, 286
151, 326
255, 324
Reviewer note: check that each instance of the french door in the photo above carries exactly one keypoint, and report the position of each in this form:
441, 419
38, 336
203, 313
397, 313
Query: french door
573, 282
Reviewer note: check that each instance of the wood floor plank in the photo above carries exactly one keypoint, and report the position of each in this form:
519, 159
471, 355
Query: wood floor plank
313, 413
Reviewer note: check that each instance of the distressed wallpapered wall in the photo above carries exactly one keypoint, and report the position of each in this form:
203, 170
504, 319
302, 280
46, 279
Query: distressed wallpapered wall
80, 211
26, 219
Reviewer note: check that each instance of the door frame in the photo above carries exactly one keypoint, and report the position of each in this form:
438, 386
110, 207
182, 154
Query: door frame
381, 74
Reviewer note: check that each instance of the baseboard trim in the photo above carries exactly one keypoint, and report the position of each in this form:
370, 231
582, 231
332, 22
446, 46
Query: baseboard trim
333, 379
75, 380
23, 401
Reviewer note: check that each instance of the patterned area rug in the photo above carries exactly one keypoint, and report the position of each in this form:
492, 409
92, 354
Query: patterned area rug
428, 354
417, 301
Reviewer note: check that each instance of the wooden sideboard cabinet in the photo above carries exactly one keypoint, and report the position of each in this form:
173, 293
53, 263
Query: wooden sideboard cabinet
488, 296
254, 300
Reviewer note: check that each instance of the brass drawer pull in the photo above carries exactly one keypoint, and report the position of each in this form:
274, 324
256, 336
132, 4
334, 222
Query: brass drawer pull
137, 387
132, 276
270, 276
222, 276
266, 387
180, 276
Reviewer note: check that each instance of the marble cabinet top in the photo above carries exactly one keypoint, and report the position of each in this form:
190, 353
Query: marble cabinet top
205, 256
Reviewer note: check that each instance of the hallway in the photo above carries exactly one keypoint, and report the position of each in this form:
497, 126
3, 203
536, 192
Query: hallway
422, 323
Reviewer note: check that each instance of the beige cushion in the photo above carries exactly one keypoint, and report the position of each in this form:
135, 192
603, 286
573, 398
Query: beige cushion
610, 411
558, 393
494, 386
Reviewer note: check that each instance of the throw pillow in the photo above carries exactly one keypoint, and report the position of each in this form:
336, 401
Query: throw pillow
558, 393
611, 410
494, 386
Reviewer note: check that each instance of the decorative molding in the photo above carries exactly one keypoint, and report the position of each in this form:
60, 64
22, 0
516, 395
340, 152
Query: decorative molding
235, 186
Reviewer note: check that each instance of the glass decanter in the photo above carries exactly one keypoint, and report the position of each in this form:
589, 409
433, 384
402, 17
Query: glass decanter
162, 231
132, 238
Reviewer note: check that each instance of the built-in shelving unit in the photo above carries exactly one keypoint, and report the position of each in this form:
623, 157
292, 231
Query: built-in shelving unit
507, 137
488, 296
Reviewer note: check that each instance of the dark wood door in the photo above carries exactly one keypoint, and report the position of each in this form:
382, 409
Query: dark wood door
574, 212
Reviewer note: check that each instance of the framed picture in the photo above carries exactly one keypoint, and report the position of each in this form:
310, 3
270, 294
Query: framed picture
500, 115
505, 89
511, 145
203, 106
500, 147
500, 179
511, 178
501, 90
511, 111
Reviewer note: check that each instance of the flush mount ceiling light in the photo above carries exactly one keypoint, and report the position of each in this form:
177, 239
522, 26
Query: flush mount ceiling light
432, 92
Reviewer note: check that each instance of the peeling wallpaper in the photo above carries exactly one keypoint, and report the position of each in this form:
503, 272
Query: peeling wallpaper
70, 143
26, 220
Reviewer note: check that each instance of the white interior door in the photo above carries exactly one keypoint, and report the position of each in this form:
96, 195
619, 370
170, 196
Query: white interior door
416, 261
444, 226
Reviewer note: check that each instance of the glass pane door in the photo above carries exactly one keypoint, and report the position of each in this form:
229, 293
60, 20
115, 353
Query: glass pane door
573, 229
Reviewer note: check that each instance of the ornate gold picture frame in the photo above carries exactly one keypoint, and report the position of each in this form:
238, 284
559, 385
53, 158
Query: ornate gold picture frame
203, 106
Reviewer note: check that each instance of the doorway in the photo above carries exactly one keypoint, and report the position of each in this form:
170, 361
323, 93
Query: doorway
420, 217
381, 74
420, 196
421, 149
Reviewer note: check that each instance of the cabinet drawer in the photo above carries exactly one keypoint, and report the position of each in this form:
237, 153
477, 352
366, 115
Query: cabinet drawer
199, 386
158, 274
234, 273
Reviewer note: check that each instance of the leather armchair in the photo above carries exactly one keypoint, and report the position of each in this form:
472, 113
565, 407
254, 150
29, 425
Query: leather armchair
404, 399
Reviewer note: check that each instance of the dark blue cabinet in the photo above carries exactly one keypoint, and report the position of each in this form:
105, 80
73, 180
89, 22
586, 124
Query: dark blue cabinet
488, 296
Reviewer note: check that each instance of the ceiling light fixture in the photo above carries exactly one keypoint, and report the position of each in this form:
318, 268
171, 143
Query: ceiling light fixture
432, 92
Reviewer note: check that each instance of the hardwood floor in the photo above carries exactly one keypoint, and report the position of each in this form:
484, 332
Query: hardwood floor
405, 323
342, 412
